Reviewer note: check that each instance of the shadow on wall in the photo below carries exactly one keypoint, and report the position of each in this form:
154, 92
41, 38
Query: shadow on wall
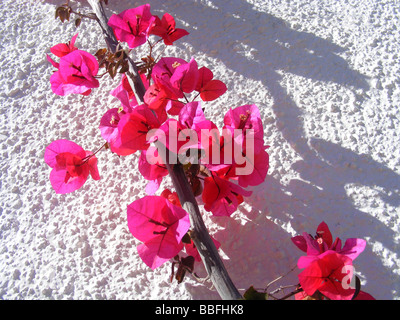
258, 45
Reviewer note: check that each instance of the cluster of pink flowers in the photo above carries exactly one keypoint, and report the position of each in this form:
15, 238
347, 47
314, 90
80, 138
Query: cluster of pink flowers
169, 119
328, 267
168, 127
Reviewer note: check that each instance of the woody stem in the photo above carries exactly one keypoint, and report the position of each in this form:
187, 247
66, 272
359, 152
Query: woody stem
112, 43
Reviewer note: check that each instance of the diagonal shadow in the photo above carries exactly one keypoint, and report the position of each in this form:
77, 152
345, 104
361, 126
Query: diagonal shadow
323, 195
258, 46
269, 46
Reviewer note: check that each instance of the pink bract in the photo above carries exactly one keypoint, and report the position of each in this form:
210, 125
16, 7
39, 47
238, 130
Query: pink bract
109, 131
322, 242
62, 49
160, 225
221, 197
191, 114
185, 76
325, 274
124, 93
252, 171
161, 101
209, 88
76, 74
162, 73
133, 25
165, 28
71, 165
133, 128
246, 118
152, 169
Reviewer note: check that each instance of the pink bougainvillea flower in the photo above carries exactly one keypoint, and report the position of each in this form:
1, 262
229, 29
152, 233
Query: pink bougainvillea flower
162, 73
221, 196
252, 171
191, 114
152, 169
175, 137
185, 76
124, 93
109, 131
133, 25
175, 76
160, 225
165, 28
191, 249
192, 117
71, 165
323, 241
247, 119
209, 88
205, 76
133, 128
76, 74
326, 274
61, 50
162, 101
171, 197
241, 163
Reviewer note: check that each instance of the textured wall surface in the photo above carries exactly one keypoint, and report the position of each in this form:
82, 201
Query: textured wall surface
325, 76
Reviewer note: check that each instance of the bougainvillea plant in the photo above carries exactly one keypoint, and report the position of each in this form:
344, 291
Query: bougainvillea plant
162, 118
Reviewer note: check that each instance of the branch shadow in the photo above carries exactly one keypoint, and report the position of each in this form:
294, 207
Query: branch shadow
258, 46
266, 46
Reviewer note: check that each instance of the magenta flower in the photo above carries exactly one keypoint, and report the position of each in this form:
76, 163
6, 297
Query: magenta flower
133, 128
152, 169
191, 114
109, 131
160, 225
162, 73
185, 76
133, 25
247, 119
162, 101
323, 241
165, 28
71, 165
176, 137
252, 171
61, 50
220, 196
209, 88
124, 93
327, 274
76, 74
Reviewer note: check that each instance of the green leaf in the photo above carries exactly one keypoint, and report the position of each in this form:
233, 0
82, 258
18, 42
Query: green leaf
253, 294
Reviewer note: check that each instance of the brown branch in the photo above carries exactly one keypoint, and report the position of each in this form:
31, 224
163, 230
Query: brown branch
201, 238
112, 43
